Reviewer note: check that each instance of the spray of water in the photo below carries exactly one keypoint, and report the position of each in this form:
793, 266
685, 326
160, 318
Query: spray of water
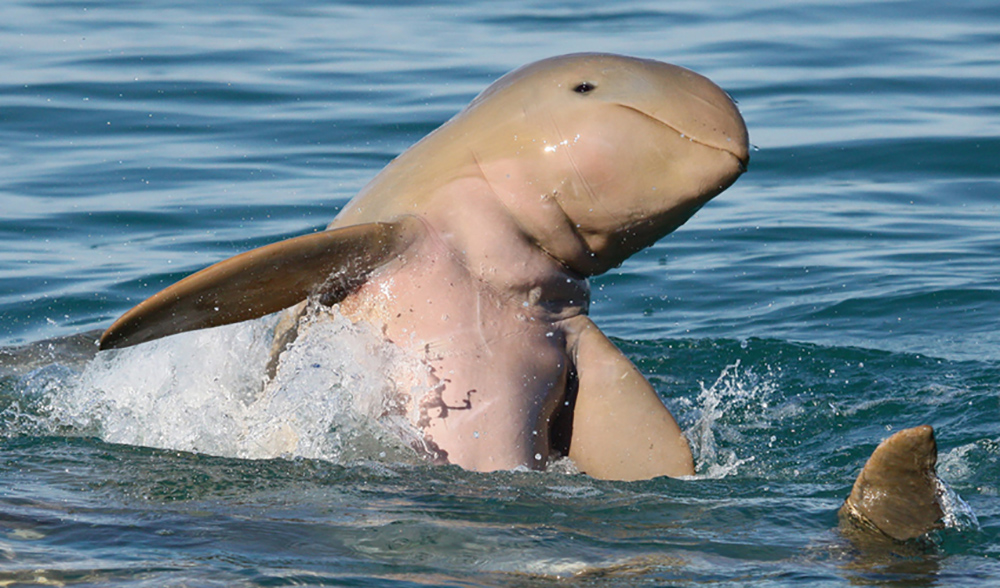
958, 515
737, 398
340, 393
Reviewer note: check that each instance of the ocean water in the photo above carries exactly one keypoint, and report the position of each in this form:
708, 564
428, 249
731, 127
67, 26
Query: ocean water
845, 287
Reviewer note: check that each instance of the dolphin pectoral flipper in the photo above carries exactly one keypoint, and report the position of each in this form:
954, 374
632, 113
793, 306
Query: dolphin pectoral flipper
897, 492
620, 428
265, 280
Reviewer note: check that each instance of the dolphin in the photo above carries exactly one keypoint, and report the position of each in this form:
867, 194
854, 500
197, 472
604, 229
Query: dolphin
472, 250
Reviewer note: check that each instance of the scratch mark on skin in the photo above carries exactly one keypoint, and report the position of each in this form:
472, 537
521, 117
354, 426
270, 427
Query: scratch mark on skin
591, 194
479, 325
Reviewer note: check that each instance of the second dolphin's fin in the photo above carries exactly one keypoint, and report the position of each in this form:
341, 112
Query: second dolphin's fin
898, 492
265, 280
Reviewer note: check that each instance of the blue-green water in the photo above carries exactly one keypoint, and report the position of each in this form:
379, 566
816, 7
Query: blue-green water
848, 285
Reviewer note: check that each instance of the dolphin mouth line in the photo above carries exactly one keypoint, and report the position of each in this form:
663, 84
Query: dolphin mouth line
743, 163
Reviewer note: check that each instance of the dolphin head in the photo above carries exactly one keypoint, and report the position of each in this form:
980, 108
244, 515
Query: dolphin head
598, 156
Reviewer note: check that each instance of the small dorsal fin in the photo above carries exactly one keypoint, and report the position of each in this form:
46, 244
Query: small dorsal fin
897, 491
265, 280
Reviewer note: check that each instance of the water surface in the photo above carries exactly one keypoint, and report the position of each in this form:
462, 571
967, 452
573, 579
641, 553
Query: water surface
847, 286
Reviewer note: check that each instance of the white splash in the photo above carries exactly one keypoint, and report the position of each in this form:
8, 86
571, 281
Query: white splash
735, 393
338, 393
958, 515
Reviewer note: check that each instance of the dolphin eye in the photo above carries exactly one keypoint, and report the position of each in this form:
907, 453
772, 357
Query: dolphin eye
585, 88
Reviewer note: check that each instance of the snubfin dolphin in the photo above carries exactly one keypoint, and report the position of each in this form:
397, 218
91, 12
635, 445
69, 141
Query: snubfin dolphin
898, 492
472, 250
